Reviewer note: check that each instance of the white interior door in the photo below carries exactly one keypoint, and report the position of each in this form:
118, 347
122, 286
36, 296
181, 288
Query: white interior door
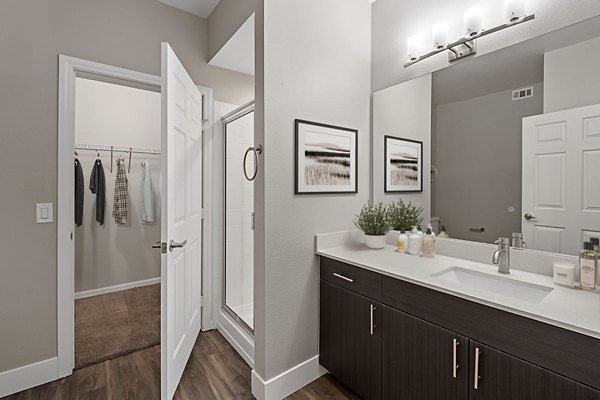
561, 179
181, 219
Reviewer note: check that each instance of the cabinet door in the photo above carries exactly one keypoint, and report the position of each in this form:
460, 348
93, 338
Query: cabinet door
421, 360
350, 339
495, 375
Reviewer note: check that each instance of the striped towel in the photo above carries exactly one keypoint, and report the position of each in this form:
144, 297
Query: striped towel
121, 194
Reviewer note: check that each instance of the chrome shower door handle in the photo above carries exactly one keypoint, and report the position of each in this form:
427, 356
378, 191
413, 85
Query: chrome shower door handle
257, 151
173, 244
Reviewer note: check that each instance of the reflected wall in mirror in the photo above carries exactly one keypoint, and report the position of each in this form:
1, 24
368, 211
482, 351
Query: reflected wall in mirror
514, 136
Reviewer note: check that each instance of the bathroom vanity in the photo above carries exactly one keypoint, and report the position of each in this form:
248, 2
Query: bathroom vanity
395, 326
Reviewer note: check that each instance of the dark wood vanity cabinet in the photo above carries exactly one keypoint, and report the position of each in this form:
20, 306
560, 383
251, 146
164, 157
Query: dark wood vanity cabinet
422, 360
393, 340
350, 339
501, 376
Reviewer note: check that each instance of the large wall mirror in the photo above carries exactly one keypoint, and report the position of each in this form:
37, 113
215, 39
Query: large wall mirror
511, 141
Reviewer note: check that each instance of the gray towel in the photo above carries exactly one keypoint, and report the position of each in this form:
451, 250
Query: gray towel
98, 187
78, 193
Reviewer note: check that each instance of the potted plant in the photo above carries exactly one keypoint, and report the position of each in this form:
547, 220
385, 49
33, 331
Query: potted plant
403, 216
374, 222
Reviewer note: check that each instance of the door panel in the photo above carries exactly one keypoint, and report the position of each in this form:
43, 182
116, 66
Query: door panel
181, 184
418, 359
504, 377
561, 157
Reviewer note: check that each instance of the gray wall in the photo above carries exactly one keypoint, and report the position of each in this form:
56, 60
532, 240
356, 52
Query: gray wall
572, 77
316, 67
394, 22
225, 20
126, 34
403, 111
478, 155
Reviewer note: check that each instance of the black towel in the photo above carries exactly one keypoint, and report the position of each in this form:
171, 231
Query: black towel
98, 187
78, 193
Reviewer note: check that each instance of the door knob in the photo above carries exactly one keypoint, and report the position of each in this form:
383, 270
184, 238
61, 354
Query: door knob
173, 244
529, 217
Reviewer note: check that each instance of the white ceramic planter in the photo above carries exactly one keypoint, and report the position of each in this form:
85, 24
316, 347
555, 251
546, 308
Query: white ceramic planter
375, 242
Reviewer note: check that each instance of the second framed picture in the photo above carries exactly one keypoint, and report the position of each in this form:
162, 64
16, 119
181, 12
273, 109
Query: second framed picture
326, 158
403, 171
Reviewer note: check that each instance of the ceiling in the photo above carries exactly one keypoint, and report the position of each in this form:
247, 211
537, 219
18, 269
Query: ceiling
201, 8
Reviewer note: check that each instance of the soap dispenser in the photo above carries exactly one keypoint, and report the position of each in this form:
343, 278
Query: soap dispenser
428, 246
414, 242
443, 234
402, 242
588, 264
430, 228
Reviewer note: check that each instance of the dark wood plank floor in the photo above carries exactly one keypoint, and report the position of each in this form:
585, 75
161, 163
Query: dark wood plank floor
214, 372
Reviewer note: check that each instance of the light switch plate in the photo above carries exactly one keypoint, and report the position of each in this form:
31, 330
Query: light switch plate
44, 213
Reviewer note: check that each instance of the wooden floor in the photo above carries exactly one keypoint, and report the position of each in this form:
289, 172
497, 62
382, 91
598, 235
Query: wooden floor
214, 372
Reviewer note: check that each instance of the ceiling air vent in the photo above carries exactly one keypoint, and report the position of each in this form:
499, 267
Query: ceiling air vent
523, 93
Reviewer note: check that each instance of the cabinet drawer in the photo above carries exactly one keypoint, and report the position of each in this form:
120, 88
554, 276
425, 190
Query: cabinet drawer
356, 279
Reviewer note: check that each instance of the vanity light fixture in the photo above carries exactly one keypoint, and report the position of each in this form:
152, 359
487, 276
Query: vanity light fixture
439, 33
466, 46
473, 22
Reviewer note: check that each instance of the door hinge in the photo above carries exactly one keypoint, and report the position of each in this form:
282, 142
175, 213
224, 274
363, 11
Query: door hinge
201, 301
203, 213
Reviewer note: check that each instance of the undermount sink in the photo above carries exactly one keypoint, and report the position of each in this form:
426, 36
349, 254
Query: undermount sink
498, 284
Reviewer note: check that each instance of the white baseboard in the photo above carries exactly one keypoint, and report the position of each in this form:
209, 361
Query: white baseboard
239, 339
116, 288
28, 376
287, 382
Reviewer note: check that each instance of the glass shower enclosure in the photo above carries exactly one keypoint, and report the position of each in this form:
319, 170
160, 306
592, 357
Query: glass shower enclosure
238, 291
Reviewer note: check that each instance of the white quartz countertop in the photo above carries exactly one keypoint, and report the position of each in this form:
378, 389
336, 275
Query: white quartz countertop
569, 308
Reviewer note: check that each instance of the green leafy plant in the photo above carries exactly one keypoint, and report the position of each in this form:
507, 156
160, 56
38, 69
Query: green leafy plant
373, 219
403, 215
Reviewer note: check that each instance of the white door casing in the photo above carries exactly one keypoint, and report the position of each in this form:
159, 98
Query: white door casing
561, 179
181, 183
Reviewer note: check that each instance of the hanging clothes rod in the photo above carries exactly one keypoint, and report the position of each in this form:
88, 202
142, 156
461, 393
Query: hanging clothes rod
118, 149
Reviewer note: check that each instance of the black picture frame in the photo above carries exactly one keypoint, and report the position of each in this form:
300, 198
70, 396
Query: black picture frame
300, 186
388, 187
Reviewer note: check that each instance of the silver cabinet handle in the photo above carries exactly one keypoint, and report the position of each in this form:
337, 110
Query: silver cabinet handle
343, 277
373, 308
476, 377
256, 150
455, 344
173, 244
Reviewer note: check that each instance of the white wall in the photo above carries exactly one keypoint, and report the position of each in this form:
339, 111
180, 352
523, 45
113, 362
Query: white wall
240, 205
403, 111
394, 21
571, 76
316, 58
113, 254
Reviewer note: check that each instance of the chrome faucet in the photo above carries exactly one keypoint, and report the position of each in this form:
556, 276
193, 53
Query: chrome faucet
517, 241
502, 255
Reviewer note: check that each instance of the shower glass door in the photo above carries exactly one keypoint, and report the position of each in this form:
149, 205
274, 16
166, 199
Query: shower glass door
239, 217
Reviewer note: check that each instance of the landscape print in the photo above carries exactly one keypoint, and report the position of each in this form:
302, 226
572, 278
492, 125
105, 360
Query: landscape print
325, 158
403, 165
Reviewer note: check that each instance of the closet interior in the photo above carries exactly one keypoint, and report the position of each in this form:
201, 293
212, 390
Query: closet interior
117, 217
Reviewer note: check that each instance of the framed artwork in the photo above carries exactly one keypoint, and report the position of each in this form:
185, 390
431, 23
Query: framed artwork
403, 171
326, 158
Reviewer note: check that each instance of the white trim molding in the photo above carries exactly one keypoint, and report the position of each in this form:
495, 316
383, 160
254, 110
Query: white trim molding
287, 382
69, 69
239, 339
22, 378
116, 288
